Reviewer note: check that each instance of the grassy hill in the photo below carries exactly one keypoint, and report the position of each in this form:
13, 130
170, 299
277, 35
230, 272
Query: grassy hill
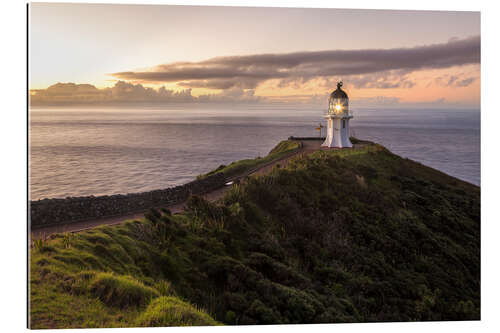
340, 236
240, 167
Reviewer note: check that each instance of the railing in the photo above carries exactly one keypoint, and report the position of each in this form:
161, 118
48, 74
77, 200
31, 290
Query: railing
339, 113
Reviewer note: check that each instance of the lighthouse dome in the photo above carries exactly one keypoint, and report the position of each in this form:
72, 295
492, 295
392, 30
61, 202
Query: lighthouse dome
339, 93
338, 103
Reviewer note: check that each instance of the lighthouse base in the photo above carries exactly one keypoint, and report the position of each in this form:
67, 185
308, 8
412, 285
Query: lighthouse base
337, 135
331, 144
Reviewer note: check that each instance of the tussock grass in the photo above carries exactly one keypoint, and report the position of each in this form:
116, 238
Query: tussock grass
121, 291
171, 311
165, 288
53, 308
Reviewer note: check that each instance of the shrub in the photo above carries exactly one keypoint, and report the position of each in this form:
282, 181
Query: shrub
264, 314
67, 240
171, 311
274, 270
151, 217
166, 211
155, 212
164, 287
231, 318
41, 245
121, 291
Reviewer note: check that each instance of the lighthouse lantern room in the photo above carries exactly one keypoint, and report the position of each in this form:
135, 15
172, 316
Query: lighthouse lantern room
337, 117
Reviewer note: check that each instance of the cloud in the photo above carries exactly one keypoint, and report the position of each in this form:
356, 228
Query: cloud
62, 92
232, 95
455, 80
382, 80
377, 100
318, 100
465, 82
71, 93
124, 92
127, 92
247, 72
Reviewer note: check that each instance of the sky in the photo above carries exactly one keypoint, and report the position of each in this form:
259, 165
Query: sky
100, 54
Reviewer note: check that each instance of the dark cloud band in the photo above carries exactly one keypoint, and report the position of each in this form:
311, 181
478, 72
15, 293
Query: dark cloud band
247, 72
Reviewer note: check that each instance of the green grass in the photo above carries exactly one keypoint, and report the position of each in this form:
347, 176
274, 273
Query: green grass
352, 235
121, 291
239, 167
54, 304
171, 311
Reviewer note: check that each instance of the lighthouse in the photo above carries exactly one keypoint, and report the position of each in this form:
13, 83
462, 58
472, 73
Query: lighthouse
337, 117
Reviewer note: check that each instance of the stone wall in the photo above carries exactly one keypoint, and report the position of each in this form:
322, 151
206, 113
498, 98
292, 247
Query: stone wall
47, 212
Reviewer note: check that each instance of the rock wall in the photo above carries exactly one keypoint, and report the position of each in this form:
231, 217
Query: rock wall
47, 212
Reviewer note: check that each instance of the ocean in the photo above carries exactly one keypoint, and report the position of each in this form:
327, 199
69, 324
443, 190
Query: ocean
116, 150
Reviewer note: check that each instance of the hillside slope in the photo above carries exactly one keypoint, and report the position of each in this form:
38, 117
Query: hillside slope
337, 236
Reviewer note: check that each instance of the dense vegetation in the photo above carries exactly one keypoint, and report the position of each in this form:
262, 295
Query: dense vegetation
339, 236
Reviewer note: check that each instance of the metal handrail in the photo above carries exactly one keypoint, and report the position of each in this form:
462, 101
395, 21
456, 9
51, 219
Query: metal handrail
350, 112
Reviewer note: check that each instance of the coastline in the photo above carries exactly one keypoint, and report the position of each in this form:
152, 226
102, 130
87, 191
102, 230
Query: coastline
74, 214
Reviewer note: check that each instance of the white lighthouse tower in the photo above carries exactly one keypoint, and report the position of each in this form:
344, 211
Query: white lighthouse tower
337, 117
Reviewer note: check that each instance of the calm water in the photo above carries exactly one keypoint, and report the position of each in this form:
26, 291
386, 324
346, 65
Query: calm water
76, 152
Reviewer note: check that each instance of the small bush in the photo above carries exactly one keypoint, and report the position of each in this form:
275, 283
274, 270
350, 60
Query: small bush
41, 245
67, 240
231, 318
166, 211
151, 217
155, 212
165, 288
121, 291
171, 311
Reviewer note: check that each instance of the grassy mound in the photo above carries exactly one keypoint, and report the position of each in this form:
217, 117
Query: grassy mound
121, 291
281, 150
171, 311
285, 146
352, 235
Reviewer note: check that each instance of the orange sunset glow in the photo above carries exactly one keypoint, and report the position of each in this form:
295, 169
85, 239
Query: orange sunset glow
208, 54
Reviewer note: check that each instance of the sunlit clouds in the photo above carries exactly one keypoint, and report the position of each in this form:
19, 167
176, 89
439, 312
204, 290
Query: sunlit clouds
105, 54
124, 92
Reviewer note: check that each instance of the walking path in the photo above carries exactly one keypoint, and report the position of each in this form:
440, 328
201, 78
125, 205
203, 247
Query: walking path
306, 148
